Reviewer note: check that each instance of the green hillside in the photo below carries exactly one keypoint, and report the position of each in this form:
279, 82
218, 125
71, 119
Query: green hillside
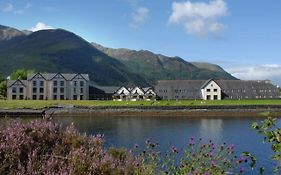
154, 67
63, 51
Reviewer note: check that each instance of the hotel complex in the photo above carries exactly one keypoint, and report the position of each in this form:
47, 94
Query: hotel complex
49, 86
58, 86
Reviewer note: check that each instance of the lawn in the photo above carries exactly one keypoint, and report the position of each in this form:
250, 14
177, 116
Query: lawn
37, 104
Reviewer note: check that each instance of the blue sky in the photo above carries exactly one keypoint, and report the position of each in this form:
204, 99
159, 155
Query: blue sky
242, 36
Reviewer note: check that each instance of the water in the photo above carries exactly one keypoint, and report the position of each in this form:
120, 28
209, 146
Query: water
126, 131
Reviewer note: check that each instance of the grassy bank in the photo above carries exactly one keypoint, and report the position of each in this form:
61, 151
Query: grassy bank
37, 104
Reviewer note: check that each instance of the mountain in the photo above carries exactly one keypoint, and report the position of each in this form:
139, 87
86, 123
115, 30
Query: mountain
58, 50
63, 51
154, 67
8, 33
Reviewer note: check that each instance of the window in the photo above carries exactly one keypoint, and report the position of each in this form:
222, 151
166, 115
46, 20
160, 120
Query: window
14, 97
81, 83
81, 90
55, 83
41, 97
215, 97
55, 90
55, 97
61, 83
34, 97
75, 83
41, 90
14, 90
74, 90
81, 97
21, 97
41, 83
21, 90
74, 97
34, 90
176, 97
215, 90
208, 97
208, 90
62, 97
34, 83
61, 90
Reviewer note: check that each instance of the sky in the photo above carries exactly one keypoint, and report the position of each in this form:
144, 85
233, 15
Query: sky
242, 36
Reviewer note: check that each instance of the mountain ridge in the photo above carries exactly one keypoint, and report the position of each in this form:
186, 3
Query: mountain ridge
59, 50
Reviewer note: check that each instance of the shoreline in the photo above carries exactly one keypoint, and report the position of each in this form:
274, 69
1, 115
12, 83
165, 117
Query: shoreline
146, 111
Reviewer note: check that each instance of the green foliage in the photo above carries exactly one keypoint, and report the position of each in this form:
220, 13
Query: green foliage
20, 74
272, 135
3, 88
198, 157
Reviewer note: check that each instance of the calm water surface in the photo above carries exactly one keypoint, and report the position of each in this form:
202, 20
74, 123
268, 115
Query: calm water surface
126, 131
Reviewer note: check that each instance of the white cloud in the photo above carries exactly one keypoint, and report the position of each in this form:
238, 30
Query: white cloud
139, 16
8, 7
260, 72
199, 18
40, 26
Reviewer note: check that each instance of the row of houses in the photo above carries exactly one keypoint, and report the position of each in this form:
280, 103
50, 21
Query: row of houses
57, 86
134, 94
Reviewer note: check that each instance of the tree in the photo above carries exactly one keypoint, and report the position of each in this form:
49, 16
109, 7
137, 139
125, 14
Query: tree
20, 74
3, 88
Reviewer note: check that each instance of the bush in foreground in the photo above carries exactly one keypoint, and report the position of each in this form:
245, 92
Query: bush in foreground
43, 147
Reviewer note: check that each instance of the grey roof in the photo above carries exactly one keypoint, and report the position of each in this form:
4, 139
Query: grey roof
49, 76
206, 83
12, 82
108, 89
234, 88
192, 87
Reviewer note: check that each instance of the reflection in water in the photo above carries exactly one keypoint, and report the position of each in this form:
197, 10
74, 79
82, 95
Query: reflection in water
212, 129
126, 131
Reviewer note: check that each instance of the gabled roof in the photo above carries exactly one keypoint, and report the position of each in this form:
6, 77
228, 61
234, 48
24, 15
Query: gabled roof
56, 75
10, 83
84, 76
208, 82
133, 89
50, 76
33, 75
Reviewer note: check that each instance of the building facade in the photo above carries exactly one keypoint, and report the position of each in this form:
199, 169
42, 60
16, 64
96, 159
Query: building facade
134, 94
50, 86
215, 89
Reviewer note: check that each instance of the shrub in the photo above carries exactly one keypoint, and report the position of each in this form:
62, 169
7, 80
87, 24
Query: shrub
272, 134
196, 158
42, 147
